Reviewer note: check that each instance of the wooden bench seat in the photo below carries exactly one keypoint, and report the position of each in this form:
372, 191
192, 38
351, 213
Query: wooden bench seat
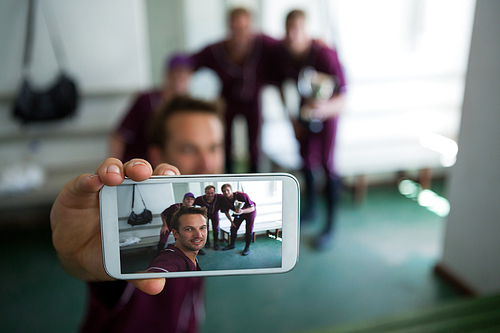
272, 227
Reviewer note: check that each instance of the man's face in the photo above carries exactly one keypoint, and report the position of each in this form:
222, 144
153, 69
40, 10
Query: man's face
178, 79
195, 143
210, 194
227, 191
241, 28
295, 30
192, 233
189, 201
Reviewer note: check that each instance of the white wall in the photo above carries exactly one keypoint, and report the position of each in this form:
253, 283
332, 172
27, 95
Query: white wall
472, 239
107, 52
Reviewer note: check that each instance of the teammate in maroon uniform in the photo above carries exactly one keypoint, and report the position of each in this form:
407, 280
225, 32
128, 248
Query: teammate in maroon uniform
211, 201
241, 62
130, 139
297, 52
166, 216
189, 227
246, 213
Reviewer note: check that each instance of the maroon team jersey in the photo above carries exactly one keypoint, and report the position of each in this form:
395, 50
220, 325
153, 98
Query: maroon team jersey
227, 204
172, 259
133, 128
212, 207
169, 212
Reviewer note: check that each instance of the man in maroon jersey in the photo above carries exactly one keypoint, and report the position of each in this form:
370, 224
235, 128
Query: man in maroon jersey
189, 227
317, 143
211, 201
242, 62
188, 135
246, 212
166, 216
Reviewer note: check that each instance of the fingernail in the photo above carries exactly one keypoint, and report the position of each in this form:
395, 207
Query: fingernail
139, 163
113, 169
168, 173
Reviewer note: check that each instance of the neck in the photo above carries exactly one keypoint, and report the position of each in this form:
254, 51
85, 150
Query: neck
299, 49
190, 254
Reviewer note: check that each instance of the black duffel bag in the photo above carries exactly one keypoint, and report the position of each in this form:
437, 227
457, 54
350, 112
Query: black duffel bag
56, 102
139, 219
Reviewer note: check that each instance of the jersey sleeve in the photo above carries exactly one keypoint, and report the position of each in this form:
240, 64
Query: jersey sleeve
198, 201
247, 200
328, 62
203, 58
132, 122
164, 214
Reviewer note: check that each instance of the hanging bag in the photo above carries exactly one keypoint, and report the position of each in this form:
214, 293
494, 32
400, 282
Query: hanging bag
56, 102
139, 219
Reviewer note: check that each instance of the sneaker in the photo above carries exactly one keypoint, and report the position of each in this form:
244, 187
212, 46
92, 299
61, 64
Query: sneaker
246, 251
216, 247
323, 242
229, 247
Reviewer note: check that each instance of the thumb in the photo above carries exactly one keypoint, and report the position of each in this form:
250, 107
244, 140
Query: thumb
149, 286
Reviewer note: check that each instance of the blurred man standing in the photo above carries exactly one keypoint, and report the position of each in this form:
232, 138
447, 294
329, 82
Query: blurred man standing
242, 62
317, 138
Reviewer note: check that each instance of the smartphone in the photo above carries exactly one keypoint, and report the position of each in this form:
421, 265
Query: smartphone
134, 213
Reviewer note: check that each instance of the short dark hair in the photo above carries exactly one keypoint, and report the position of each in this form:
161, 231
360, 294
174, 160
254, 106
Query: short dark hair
238, 11
294, 14
226, 185
157, 127
187, 210
209, 187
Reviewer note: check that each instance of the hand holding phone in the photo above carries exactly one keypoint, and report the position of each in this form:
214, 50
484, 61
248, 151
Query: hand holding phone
75, 219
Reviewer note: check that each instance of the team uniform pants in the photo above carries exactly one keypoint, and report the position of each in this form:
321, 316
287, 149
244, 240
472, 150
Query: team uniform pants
252, 114
215, 226
249, 218
318, 149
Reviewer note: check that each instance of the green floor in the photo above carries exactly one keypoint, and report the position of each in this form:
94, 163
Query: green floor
380, 265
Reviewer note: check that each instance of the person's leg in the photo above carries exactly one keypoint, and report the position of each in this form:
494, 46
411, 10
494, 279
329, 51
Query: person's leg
253, 118
333, 184
309, 197
163, 241
228, 136
215, 231
309, 152
234, 233
250, 219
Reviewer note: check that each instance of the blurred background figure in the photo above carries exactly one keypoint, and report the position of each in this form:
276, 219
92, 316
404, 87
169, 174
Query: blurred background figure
241, 61
130, 138
304, 60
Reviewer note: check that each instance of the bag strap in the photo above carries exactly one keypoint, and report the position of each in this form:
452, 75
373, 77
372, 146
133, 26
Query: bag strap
55, 39
141, 197
133, 196
28, 41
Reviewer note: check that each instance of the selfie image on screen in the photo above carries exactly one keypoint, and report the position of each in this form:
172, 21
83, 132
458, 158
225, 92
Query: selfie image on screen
145, 212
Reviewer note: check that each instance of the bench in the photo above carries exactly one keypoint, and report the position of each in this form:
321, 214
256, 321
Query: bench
267, 220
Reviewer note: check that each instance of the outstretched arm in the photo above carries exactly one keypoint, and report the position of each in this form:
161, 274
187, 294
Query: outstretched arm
74, 219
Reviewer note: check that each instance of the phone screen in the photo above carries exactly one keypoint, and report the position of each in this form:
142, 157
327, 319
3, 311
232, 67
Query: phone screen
249, 215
